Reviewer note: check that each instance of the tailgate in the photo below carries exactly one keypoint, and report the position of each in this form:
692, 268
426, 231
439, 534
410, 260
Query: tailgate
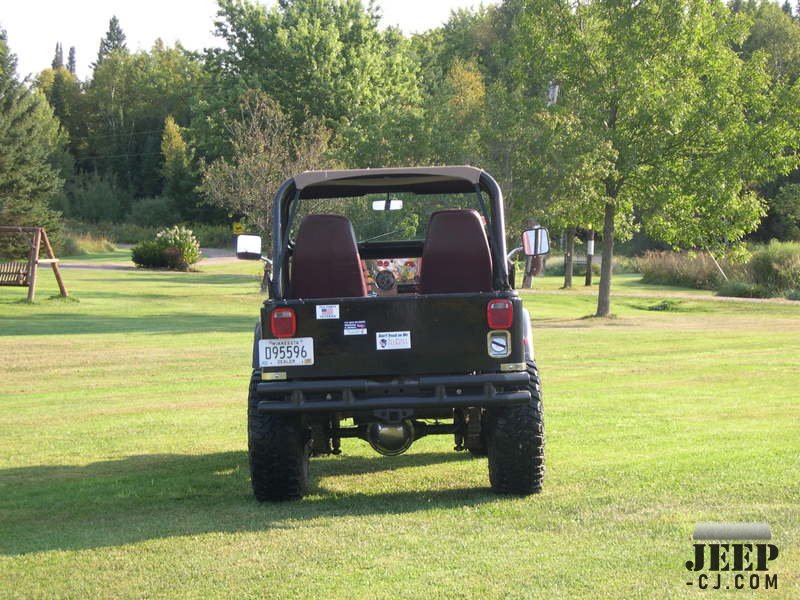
391, 336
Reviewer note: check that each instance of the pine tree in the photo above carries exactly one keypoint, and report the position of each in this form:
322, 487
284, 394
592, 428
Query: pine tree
58, 58
30, 137
113, 40
71, 60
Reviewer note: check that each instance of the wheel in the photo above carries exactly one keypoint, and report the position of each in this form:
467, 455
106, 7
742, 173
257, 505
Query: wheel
516, 443
279, 449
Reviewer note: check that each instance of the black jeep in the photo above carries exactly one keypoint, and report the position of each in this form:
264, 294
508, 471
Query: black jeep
393, 337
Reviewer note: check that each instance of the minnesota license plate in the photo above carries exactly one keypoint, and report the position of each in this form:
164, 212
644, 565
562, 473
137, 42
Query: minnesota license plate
289, 352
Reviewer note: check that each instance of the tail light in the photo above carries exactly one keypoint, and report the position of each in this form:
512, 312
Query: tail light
499, 314
283, 322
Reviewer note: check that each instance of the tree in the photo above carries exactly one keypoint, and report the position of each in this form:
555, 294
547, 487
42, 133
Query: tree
180, 176
29, 137
114, 40
687, 122
58, 58
63, 92
267, 149
71, 60
127, 100
787, 7
783, 216
776, 34
326, 59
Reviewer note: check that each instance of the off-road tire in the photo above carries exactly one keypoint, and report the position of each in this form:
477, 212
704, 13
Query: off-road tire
279, 448
516, 443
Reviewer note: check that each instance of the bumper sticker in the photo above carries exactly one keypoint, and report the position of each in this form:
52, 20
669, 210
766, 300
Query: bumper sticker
355, 328
393, 340
327, 311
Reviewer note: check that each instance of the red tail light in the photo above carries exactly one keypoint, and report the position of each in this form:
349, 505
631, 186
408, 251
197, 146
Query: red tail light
499, 314
282, 322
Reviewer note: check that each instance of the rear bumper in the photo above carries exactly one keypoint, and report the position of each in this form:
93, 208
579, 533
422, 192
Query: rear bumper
353, 395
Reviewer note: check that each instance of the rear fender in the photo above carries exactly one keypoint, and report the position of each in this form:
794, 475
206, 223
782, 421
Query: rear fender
528, 333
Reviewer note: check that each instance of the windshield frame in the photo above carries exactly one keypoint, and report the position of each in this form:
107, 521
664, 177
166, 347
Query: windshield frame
440, 180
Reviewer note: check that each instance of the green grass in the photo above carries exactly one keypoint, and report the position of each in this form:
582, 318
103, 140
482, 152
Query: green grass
123, 470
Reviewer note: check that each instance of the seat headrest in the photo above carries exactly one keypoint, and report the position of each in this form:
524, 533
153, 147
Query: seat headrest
456, 256
325, 262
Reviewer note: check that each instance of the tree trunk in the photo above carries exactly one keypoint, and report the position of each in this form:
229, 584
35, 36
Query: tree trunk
569, 252
604, 295
527, 277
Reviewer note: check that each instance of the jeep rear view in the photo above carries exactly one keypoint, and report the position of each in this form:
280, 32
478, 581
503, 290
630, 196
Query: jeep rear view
405, 326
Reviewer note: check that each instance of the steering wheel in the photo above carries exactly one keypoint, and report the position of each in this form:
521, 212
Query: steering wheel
385, 280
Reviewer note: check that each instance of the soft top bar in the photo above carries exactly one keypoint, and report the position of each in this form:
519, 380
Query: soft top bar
358, 182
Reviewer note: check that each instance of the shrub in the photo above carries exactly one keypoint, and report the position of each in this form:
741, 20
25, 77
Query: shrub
685, 269
213, 236
776, 267
183, 240
743, 289
555, 266
154, 212
94, 198
793, 294
622, 264
209, 236
668, 305
174, 248
80, 244
149, 254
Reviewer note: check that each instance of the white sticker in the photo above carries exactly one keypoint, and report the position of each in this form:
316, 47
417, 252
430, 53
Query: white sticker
393, 340
327, 311
355, 328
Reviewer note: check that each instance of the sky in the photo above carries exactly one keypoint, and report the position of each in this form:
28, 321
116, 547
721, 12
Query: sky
34, 26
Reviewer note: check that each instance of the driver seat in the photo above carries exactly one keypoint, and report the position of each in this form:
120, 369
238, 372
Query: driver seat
325, 262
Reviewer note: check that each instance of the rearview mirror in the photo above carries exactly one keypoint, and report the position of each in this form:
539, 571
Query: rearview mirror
248, 247
536, 241
393, 204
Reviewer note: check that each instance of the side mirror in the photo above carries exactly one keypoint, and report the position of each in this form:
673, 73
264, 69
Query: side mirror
393, 204
248, 247
536, 241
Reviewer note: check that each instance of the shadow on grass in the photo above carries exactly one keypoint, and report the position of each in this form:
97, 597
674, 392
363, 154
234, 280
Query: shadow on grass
159, 496
74, 324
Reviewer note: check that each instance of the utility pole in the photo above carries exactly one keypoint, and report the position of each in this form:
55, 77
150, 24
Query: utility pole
589, 254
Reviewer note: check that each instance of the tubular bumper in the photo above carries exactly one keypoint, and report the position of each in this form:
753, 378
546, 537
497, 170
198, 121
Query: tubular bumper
437, 391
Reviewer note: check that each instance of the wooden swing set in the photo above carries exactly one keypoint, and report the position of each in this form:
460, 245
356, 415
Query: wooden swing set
22, 273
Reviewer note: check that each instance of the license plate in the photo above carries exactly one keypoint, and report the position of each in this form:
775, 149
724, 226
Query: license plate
289, 352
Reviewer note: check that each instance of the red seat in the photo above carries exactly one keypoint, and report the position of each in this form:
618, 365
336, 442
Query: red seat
456, 256
325, 262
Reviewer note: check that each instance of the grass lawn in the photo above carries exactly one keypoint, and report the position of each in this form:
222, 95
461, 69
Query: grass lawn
123, 470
